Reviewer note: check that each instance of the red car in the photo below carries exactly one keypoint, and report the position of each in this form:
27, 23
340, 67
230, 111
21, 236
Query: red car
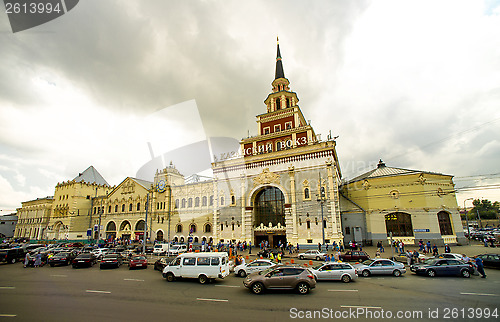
138, 261
354, 255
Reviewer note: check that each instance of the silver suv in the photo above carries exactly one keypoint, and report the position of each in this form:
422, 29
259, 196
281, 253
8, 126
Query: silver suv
283, 277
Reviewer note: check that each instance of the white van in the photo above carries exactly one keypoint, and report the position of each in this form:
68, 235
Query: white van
161, 249
175, 250
203, 266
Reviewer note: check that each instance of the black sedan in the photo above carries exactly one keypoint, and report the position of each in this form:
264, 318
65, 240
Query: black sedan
442, 267
162, 262
84, 260
111, 260
63, 258
490, 260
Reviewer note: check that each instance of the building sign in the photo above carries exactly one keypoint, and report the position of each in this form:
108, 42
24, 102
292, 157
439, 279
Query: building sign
421, 230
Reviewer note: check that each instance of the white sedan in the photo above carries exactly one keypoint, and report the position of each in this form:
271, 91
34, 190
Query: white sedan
252, 267
335, 271
313, 254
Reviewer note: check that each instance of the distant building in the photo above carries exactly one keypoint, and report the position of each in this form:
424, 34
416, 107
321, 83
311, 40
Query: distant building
8, 225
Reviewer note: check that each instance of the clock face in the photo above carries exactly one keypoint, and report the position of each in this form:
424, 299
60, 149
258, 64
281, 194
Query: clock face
160, 186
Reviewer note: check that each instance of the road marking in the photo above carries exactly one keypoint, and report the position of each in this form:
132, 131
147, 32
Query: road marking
342, 290
8, 315
479, 294
92, 291
133, 279
55, 275
212, 300
7, 287
227, 285
363, 307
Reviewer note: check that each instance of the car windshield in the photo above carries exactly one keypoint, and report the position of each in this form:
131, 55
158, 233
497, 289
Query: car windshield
85, 255
111, 256
264, 272
136, 258
317, 266
431, 261
368, 262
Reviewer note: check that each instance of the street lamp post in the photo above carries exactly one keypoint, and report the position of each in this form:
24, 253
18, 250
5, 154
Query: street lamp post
467, 220
321, 200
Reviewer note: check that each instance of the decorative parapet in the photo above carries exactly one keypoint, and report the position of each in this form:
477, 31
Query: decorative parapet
270, 227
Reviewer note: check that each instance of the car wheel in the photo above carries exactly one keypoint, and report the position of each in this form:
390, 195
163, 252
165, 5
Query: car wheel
258, 288
74, 266
301, 257
170, 277
242, 273
52, 265
318, 258
431, 273
365, 273
203, 279
346, 278
465, 273
303, 288
396, 273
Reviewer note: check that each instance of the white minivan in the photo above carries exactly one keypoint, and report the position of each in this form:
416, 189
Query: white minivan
160, 249
203, 266
175, 250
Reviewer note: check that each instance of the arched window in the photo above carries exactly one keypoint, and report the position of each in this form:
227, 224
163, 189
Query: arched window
111, 226
269, 207
140, 225
130, 207
306, 194
178, 228
116, 208
109, 209
222, 201
192, 228
123, 208
233, 200
183, 205
444, 223
197, 202
207, 228
308, 223
204, 201
399, 224
211, 200
176, 203
138, 206
190, 202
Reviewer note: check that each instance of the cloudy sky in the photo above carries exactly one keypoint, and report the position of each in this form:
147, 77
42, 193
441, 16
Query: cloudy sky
115, 83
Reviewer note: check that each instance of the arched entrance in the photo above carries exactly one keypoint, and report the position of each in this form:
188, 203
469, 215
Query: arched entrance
111, 230
444, 223
399, 224
139, 229
269, 216
125, 230
159, 235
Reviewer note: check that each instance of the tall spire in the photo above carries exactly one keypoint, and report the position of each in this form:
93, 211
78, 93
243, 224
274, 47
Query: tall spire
279, 65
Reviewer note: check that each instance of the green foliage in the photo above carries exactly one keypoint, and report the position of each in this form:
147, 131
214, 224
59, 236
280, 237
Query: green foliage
486, 209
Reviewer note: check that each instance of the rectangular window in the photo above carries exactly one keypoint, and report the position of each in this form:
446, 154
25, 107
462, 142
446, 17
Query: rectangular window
267, 130
190, 261
309, 241
215, 261
347, 230
203, 261
288, 125
277, 128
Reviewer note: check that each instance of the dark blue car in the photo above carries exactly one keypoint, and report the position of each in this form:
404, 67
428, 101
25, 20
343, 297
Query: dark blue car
442, 267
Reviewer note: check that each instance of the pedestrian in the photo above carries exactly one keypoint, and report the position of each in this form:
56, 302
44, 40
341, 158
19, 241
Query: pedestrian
327, 258
278, 257
377, 254
38, 259
408, 258
447, 249
26, 259
319, 246
271, 256
249, 248
327, 247
435, 251
480, 266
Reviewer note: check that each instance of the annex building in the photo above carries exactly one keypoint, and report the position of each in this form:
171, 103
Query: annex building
285, 186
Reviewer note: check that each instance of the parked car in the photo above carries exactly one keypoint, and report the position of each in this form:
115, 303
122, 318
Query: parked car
354, 255
380, 267
138, 261
313, 254
451, 256
334, 271
490, 260
252, 267
267, 251
442, 267
84, 260
99, 252
177, 249
62, 258
12, 255
282, 277
111, 260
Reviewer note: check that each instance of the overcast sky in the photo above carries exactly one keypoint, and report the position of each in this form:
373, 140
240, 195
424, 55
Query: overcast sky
114, 83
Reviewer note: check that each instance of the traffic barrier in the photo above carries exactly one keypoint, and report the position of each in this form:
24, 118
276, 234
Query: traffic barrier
293, 261
247, 257
311, 263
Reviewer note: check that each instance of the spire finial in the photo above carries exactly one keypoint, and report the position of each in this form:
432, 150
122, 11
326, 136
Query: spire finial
279, 65
277, 40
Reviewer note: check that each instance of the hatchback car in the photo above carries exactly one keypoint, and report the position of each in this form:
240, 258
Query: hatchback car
252, 267
84, 260
490, 260
380, 267
138, 261
62, 258
333, 271
442, 267
313, 254
283, 277
354, 255
111, 260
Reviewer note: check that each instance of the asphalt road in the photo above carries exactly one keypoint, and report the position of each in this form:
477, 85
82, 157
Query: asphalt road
91, 294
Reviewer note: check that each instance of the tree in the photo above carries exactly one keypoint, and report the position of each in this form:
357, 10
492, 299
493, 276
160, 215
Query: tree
486, 209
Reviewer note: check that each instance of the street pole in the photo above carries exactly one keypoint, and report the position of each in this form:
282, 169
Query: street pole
169, 210
145, 226
321, 200
467, 221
